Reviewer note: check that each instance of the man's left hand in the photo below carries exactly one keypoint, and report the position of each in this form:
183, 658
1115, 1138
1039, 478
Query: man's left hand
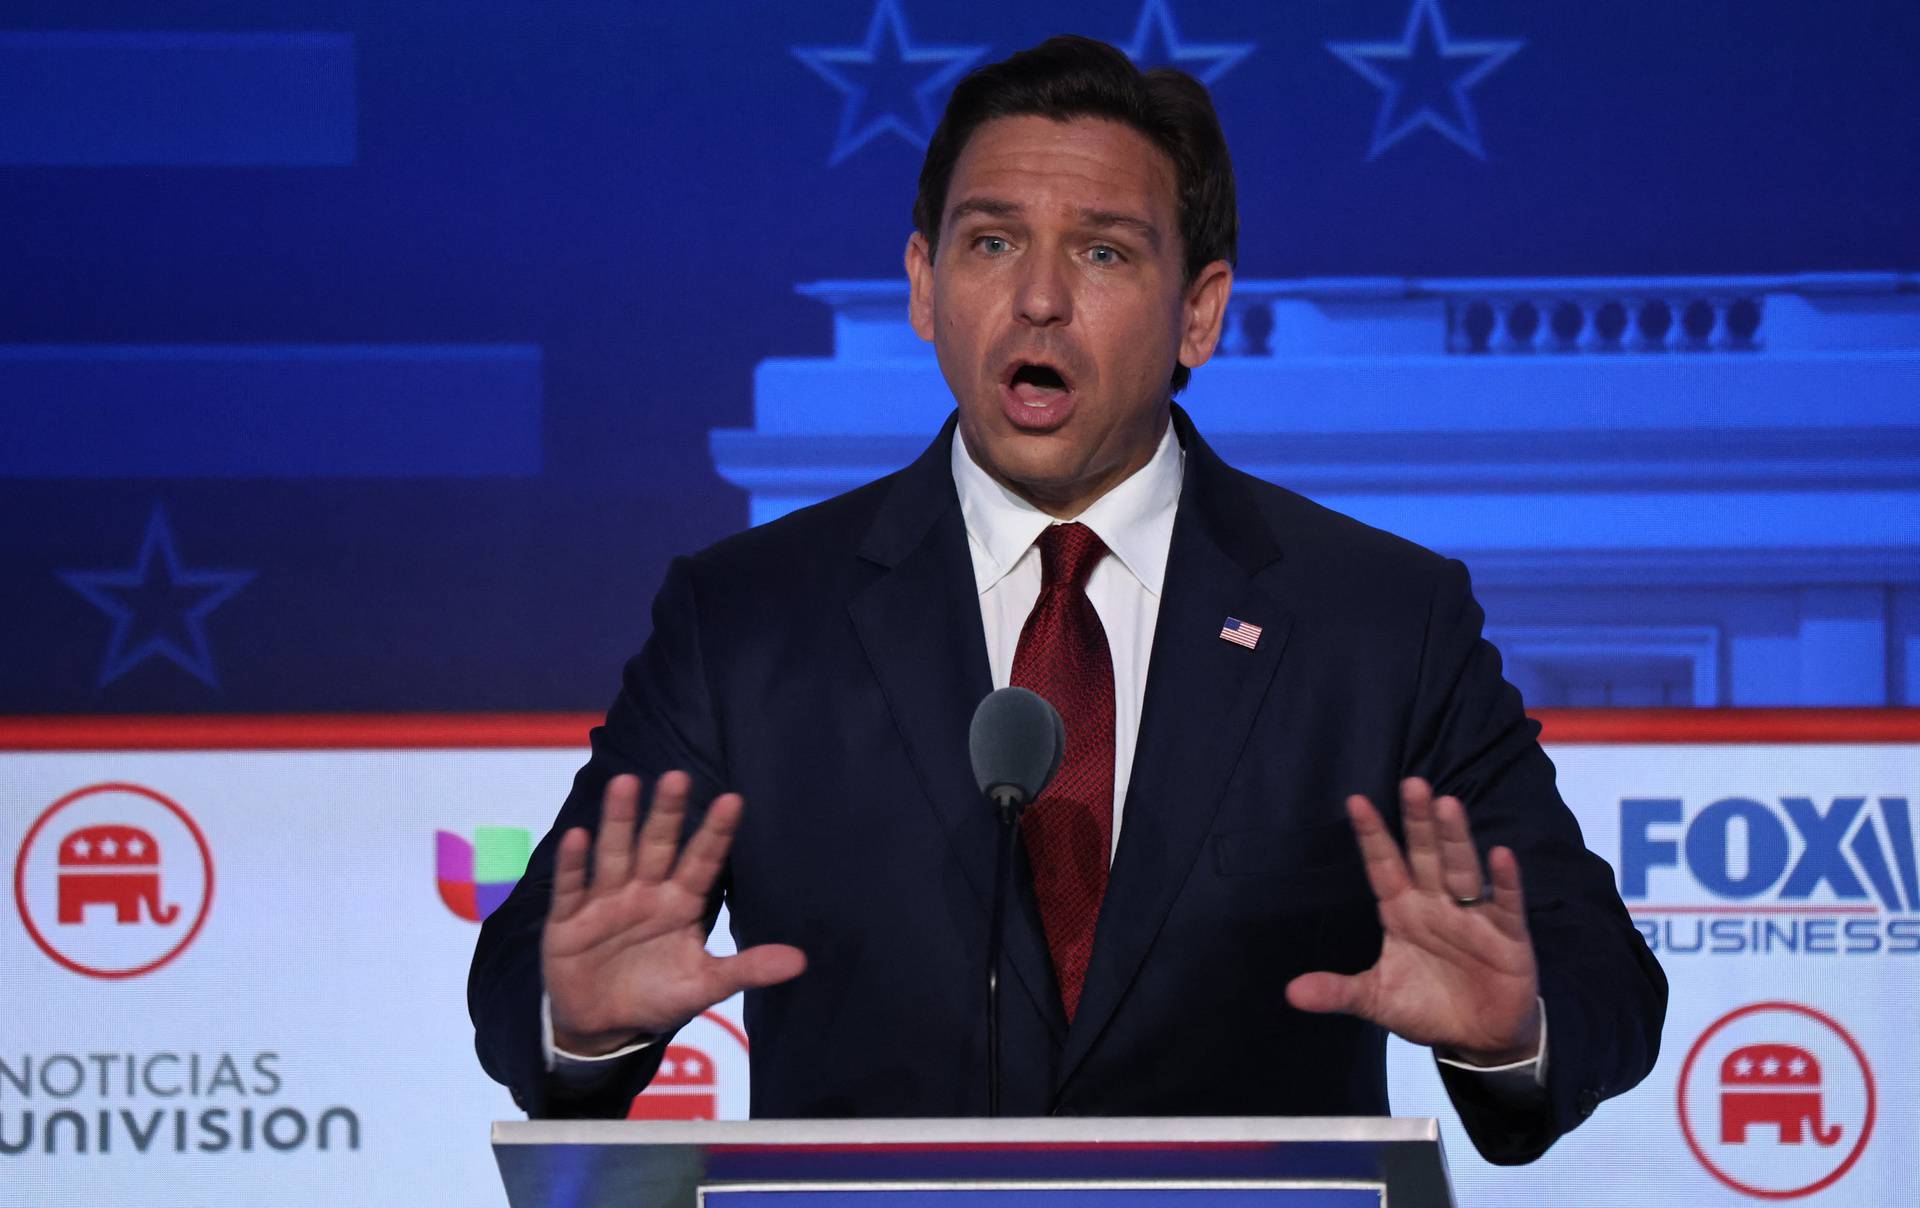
1457, 976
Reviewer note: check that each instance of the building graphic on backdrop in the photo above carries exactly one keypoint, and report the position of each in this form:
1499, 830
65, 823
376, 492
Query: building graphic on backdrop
474, 878
1663, 536
1777, 1100
113, 880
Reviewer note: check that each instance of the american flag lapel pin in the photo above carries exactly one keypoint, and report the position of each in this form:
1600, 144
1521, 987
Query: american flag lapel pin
1240, 633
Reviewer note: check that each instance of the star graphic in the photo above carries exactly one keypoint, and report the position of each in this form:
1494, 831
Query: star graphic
109, 848
690, 1067
1797, 1066
1770, 1067
157, 606
1156, 43
1431, 84
667, 1069
1743, 1066
890, 84
81, 847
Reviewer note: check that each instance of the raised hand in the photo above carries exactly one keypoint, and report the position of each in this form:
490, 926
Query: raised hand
624, 954
1455, 976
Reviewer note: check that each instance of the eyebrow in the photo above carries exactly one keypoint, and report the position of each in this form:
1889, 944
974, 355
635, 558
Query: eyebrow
994, 207
1127, 222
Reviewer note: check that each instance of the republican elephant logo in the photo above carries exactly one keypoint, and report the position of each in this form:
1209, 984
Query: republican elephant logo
1792, 1092
111, 864
685, 1088
1777, 1084
703, 1074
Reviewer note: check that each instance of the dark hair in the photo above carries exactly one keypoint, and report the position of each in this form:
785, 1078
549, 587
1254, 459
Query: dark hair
1068, 77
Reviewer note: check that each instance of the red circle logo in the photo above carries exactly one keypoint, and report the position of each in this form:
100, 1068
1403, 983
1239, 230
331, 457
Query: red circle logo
1776, 1100
702, 1075
113, 880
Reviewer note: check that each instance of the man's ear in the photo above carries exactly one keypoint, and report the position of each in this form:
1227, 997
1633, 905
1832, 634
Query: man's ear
1204, 312
920, 286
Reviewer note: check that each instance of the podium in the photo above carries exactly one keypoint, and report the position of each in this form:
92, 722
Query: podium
1054, 1162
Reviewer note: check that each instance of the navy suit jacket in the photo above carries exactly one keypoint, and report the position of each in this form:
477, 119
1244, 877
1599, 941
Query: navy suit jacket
826, 666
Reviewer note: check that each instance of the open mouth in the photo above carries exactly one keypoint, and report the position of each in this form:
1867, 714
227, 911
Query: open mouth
1037, 384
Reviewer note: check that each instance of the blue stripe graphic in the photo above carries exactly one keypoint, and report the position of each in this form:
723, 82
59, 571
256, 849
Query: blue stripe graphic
266, 411
103, 99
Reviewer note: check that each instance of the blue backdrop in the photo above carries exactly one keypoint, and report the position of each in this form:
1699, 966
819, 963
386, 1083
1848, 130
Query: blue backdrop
366, 356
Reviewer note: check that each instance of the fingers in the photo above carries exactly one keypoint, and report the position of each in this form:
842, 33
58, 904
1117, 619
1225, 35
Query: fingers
1423, 841
1460, 871
1386, 871
660, 836
1509, 908
706, 852
613, 848
569, 876
761, 965
1326, 993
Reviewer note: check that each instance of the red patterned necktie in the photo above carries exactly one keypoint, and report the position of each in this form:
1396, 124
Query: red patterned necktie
1063, 656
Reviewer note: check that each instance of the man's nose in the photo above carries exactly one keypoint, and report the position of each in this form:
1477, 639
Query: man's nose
1044, 297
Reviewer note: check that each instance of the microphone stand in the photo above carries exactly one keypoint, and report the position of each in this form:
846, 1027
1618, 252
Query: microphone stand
1008, 800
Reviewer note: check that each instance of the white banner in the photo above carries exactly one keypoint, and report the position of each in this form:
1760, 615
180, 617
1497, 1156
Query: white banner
239, 976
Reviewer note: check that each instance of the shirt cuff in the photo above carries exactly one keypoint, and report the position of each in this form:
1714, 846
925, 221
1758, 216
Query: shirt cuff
1516, 1079
574, 1071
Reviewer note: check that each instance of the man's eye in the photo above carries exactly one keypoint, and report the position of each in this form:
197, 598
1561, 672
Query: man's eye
1105, 255
993, 245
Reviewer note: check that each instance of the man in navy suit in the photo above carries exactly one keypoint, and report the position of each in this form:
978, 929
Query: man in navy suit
1213, 917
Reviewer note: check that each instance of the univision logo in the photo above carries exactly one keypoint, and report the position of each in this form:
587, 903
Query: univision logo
474, 878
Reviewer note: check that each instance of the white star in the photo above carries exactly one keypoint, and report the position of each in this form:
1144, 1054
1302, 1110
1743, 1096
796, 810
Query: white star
81, 847
109, 848
1770, 1066
909, 80
136, 847
158, 606
1156, 43
1440, 72
667, 1068
1743, 1067
1797, 1066
690, 1066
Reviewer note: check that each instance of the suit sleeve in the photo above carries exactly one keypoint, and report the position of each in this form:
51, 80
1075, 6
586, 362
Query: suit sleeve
1605, 993
663, 719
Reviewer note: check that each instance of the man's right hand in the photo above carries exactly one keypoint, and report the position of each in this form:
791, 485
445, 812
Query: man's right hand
625, 954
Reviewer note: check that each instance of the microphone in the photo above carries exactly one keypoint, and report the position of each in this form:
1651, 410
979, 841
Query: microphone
1016, 741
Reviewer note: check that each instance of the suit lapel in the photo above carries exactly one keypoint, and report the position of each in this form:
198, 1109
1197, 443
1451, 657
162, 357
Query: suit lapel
919, 622
1202, 696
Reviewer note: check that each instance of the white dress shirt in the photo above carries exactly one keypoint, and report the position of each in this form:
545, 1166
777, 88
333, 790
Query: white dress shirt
1135, 521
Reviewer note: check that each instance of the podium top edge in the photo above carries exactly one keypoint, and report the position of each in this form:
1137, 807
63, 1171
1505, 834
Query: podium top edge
1043, 1130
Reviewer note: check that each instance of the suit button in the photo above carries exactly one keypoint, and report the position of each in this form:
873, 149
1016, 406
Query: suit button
1586, 1101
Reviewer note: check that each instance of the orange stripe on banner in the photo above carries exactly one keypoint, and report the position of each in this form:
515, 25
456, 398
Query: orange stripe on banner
401, 731
297, 732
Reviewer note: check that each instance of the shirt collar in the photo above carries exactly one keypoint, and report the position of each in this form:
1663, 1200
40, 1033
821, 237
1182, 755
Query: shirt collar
1134, 519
